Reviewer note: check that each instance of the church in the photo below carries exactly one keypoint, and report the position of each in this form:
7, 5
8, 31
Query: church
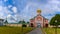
39, 20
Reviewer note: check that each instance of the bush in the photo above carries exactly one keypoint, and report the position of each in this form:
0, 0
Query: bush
24, 25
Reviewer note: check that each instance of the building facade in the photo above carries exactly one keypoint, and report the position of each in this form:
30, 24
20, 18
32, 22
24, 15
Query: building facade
1, 22
39, 20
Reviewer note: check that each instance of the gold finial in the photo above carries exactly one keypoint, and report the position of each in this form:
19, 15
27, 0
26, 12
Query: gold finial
38, 11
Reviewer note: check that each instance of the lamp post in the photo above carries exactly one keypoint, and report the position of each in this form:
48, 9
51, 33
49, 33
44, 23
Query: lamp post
56, 27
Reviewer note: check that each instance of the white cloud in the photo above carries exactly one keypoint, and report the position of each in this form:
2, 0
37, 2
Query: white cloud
14, 9
5, 9
50, 8
30, 10
54, 1
5, 12
9, 16
1, 15
9, 6
54, 4
1, 8
2, 12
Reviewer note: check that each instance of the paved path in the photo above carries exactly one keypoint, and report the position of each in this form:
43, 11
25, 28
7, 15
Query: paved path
36, 31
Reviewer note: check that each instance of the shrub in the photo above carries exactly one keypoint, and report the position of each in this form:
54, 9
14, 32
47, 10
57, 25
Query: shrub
24, 25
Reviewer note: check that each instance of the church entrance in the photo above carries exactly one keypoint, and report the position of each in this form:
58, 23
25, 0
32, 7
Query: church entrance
38, 25
46, 25
32, 25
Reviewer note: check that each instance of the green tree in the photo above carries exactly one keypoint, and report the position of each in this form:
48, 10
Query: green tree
6, 22
27, 22
55, 18
23, 22
19, 21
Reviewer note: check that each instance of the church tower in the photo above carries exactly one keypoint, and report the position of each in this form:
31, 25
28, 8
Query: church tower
38, 12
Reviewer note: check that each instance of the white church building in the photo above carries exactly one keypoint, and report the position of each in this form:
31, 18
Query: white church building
1, 22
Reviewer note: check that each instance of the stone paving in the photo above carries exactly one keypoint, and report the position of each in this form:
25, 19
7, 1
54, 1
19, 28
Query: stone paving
36, 31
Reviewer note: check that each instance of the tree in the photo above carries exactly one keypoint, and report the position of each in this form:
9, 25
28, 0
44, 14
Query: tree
6, 22
23, 22
19, 21
56, 17
27, 22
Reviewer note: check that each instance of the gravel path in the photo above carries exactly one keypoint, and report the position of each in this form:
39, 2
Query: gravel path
36, 31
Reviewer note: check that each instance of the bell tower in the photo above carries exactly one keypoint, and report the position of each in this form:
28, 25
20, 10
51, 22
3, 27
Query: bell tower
38, 12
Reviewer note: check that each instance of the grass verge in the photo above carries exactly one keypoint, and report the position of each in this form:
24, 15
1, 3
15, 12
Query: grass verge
14, 30
51, 30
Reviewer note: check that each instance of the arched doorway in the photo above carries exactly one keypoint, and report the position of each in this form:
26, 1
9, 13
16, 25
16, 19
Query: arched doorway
46, 25
31, 25
38, 24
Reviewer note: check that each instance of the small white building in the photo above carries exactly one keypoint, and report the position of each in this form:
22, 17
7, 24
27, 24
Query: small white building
1, 22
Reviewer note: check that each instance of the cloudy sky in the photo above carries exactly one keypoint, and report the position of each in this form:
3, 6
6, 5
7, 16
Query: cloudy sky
16, 10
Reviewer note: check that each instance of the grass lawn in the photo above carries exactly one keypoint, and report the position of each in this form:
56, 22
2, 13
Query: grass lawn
51, 30
14, 30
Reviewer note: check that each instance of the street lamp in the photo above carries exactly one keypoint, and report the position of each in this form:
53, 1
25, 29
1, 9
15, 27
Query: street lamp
56, 27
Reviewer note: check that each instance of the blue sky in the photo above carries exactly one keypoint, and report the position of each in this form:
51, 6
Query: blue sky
16, 10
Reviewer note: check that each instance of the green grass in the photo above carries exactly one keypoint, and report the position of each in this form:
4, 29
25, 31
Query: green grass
14, 30
51, 30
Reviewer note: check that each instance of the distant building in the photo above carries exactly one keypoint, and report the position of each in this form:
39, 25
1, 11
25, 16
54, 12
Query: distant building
39, 20
1, 22
16, 25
